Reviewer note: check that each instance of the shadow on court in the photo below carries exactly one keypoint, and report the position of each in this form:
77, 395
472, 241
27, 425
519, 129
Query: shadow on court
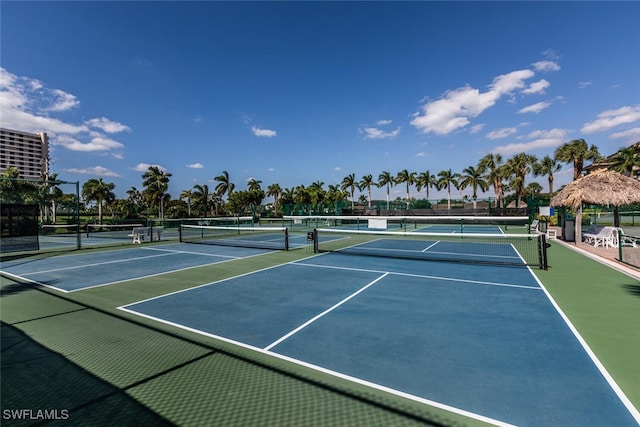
36, 378
632, 289
101, 368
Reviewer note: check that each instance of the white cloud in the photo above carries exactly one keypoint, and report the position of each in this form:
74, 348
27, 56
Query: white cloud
107, 125
337, 169
537, 87
375, 133
476, 128
62, 101
612, 118
97, 143
631, 134
143, 167
384, 122
267, 133
271, 170
535, 108
453, 110
195, 166
26, 105
536, 140
95, 170
546, 66
501, 133
582, 85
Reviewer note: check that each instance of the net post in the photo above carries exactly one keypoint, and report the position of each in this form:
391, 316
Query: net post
286, 238
315, 241
542, 251
180, 233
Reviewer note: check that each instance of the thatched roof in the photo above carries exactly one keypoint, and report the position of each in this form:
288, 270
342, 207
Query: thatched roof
603, 188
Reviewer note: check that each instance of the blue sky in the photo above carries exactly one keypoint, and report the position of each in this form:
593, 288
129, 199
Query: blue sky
297, 92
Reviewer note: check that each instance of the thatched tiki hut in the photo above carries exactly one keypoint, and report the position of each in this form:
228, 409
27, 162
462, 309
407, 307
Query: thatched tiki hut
600, 188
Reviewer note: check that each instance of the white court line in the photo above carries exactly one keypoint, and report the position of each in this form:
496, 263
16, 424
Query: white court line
96, 264
603, 371
336, 374
424, 276
327, 311
190, 253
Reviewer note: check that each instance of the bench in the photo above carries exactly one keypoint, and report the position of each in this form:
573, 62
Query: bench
606, 237
533, 226
138, 234
156, 232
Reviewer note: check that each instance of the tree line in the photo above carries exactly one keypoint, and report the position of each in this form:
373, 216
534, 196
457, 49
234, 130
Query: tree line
506, 176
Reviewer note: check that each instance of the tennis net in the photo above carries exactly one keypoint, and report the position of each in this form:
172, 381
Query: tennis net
428, 223
248, 237
112, 231
474, 248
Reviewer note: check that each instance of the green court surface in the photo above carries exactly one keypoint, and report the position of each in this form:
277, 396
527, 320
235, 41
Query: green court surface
77, 352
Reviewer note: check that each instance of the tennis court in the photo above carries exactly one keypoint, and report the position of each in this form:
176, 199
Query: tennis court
486, 342
80, 271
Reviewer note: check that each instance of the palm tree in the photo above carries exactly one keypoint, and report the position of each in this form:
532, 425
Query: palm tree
188, 195
492, 168
446, 179
274, 190
335, 194
254, 185
156, 183
386, 179
576, 152
225, 186
520, 165
349, 183
533, 189
365, 183
547, 166
286, 197
426, 180
99, 191
627, 159
203, 199
316, 192
472, 178
409, 178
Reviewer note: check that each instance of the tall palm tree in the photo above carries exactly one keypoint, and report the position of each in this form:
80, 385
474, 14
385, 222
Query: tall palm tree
446, 178
385, 179
316, 192
225, 186
426, 180
188, 196
408, 178
203, 199
349, 183
472, 178
520, 165
286, 197
627, 159
156, 183
365, 183
99, 191
576, 152
491, 167
547, 166
254, 185
274, 190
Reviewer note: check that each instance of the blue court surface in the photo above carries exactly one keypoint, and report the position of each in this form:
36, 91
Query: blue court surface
74, 272
484, 341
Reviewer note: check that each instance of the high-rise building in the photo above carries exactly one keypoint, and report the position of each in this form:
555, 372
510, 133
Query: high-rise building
28, 152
